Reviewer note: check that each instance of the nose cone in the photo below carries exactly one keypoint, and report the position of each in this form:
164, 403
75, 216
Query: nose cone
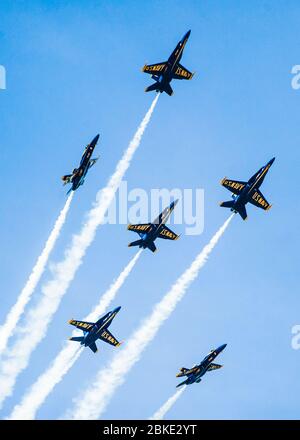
185, 38
271, 161
173, 204
117, 309
221, 348
95, 140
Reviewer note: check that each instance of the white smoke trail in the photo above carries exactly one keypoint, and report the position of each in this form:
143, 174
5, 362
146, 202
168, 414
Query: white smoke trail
93, 402
15, 313
39, 317
44, 385
162, 411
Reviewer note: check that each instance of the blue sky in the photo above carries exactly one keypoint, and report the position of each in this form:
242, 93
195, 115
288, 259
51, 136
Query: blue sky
73, 70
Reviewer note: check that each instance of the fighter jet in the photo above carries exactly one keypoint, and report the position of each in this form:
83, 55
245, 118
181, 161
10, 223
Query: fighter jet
78, 175
98, 330
151, 231
244, 192
197, 371
163, 73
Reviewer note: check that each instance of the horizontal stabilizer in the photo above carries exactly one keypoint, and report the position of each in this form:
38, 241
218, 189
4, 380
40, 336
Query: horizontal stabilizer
159, 88
93, 347
77, 338
242, 211
181, 383
168, 89
151, 246
228, 204
136, 243
155, 86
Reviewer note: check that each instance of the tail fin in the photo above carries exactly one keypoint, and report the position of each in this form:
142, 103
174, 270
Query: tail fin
135, 243
77, 338
228, 204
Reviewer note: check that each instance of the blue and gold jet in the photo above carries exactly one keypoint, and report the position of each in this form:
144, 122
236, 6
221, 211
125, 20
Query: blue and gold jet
195, 373
98, 330
78, 175
149, 232
163, 73
244, 192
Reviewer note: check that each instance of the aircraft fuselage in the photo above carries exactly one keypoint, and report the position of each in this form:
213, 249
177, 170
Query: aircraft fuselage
251, 187
99, 326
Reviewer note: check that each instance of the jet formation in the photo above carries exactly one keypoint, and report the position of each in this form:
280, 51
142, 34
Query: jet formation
96, 330
195, 373
164, 72
244, 192
149, 232
78, 174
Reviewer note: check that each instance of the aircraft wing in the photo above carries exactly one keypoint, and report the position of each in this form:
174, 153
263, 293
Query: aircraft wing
235, 186
167, 234
106, 336
143, 227
182, 73
184, 372
82, 325
259, 200
214, 367
67, 178
154, 69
